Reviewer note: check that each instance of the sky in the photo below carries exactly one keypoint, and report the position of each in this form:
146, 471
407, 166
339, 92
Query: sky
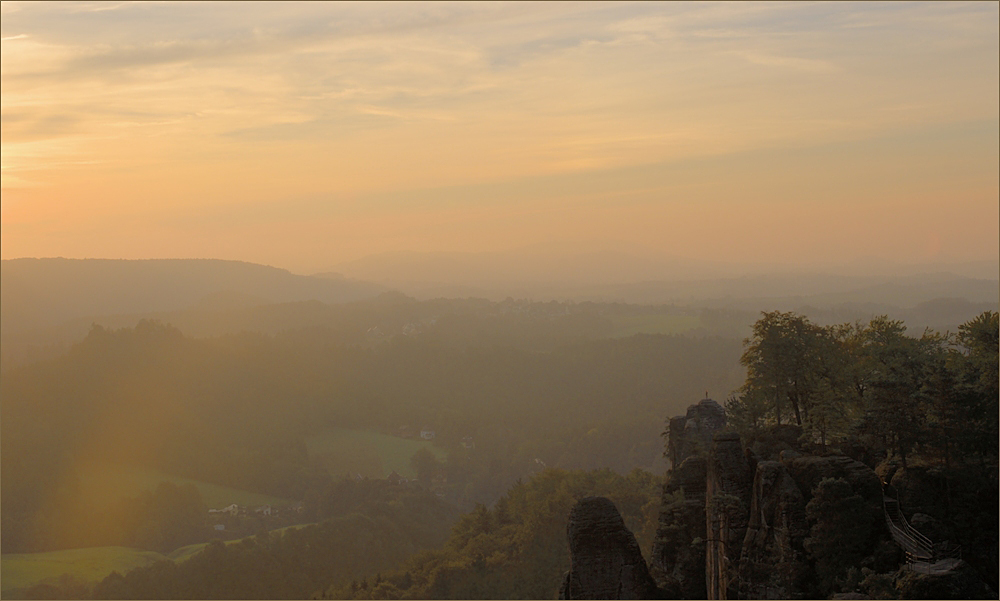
303, 135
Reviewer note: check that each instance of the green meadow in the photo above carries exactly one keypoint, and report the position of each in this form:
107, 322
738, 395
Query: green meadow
188, 551
101, 485
343, 451
653, 323
368, 453
22, 570
104, 483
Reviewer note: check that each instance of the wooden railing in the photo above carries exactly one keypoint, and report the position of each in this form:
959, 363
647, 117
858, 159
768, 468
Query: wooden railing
918, 548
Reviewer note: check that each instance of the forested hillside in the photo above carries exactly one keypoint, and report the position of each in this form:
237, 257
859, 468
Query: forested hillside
40, 292
236, 411
377, 545
504, 393
52, 302
365, 527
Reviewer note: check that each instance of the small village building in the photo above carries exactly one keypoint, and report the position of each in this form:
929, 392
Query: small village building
426, 433
233, 509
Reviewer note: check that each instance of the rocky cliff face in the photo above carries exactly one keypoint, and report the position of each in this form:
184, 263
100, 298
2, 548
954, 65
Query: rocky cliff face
728, 487
761, 519
606, 560
678, 560
692, 432
772, 556
733, 520
702, 493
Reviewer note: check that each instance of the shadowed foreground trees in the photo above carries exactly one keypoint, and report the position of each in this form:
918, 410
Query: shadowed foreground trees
517, 549
394, 544
370, 526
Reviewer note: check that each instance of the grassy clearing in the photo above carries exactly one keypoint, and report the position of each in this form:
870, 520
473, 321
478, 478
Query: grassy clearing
20, 571
292, 527
23, 570
103, 484
654, 323
189, 551
370, 454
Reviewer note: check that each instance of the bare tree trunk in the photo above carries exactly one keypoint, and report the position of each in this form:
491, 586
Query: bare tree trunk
795, 406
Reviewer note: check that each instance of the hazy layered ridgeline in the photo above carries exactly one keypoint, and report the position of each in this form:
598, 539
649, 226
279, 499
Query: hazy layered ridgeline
51, 303
46, 292
48, 303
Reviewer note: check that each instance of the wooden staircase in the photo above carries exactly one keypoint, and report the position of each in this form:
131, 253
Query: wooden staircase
922, 554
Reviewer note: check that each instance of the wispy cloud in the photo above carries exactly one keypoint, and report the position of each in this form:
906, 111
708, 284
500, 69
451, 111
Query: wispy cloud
325, 100
791, 62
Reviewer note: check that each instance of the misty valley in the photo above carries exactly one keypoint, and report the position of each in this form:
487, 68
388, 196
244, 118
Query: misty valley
353, 442
499, 300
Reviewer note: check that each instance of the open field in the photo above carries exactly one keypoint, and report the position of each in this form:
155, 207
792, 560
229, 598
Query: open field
344, 451
188, 551
22, 570
104, 483
654, 323
370, 454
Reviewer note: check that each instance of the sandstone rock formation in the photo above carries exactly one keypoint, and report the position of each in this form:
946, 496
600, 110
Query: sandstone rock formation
733, 519
606, 560
728, 485
772, 558
808, 470
768, 519
692, 433
678, 560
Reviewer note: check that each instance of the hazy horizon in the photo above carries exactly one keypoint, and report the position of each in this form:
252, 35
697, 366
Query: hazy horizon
311, 136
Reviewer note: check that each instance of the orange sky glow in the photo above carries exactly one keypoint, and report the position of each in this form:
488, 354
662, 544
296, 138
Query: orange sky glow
302, 135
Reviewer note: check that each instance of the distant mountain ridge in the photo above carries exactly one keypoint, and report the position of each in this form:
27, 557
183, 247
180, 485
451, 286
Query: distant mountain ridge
47, 304
612, 274
46, 292
617, 264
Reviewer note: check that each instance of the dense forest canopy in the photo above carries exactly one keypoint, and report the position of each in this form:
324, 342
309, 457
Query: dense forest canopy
892, 392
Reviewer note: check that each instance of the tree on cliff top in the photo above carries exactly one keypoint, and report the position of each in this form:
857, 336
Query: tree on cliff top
785, 358
935, 394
